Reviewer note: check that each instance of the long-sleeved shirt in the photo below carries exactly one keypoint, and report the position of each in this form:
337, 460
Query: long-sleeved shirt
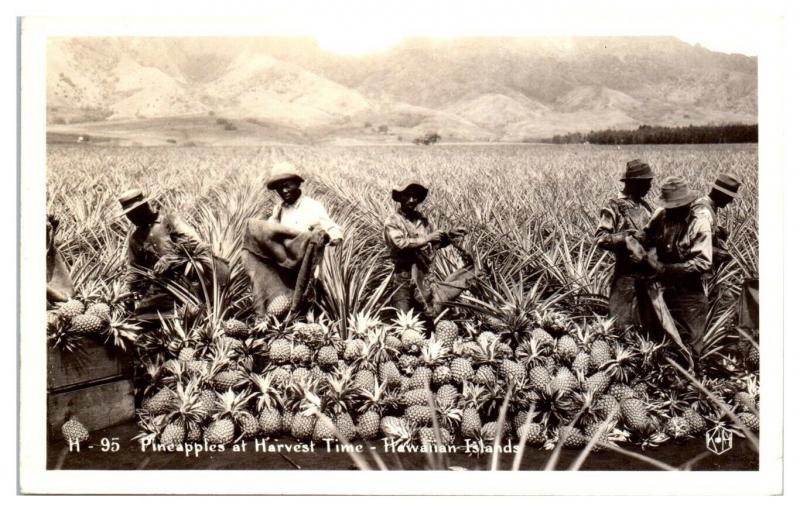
168, 235
401, 231
305, 213
683, 245
621, 214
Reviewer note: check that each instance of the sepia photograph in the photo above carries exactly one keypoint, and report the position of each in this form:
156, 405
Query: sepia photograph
405, 253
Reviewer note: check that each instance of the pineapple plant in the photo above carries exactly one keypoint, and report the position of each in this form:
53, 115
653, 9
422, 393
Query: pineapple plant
419, 415
539, 377
327, 357
571, 437
461, 370
222, 428
749, 420
581, 363
87, 325
564, 380
697, 424
235, 328
473, 398
597, 382
634, 412
101, 310
511, 371
280, 351
74, 431
160, 402
486, 375
677, 427
446, 333
71, 308
279, 306
397, 430
187, 413
408, 326
599, 354
566, 348
531, 433
389, 373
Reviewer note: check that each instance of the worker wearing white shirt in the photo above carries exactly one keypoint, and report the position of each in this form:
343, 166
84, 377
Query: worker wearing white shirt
296, 210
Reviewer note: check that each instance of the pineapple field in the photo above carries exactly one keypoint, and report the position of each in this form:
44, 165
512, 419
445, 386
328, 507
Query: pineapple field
526, 358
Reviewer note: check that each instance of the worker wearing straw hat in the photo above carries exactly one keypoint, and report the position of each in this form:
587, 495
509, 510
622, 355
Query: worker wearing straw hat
681, 238
723, 192
164, 245
296, 210
412, 242
620, 218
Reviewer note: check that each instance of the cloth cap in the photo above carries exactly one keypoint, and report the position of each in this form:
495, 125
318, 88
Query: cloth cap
675, 192
408, 186
728, 185
637, 170
132, 199
282, 171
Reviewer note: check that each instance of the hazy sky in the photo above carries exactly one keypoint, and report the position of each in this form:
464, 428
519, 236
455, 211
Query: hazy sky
362, 26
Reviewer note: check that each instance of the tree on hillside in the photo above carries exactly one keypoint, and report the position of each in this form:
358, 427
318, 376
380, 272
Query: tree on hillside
428, 139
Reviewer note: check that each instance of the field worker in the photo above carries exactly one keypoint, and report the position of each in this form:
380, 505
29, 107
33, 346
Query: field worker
59, 283
412, 242
622, 217
682, 238
160, 242
723, 192
296, 210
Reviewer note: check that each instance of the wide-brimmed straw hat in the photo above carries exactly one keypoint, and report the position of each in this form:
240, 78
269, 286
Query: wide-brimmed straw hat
406, 186
282, 171
675, 192
132, 199
637, 170
728, 185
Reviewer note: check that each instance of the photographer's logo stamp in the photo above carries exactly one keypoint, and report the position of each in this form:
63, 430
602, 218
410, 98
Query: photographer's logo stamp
719, 440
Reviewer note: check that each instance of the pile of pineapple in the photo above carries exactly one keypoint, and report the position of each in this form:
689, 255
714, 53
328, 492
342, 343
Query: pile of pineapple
560, 383
98, 313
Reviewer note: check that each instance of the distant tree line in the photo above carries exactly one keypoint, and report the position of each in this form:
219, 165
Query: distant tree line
646, 134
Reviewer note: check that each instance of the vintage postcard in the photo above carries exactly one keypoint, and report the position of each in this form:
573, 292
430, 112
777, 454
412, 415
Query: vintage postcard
456, 258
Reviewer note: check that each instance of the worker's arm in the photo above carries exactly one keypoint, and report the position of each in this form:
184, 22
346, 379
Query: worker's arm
398, 239
700, 255
607, 234
325, 222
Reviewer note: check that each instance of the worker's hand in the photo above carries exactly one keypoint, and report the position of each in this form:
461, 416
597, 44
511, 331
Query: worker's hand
458, 232
161, 266
436, 237
335, 241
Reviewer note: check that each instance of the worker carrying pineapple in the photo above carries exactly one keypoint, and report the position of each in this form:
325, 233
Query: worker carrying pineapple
620, 219
166, 254
679, 242
412, 242
59, 283
281, 254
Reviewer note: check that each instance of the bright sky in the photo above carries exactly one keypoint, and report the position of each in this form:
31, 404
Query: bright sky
732, 27
364, 26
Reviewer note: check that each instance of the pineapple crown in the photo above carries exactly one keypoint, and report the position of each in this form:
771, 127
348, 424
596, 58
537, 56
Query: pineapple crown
229, 404
361, 323
434, 353
269, 396
188, 407
408, 320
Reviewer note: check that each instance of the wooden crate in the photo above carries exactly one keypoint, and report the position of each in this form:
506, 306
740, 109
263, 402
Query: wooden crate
94, 384
94, 363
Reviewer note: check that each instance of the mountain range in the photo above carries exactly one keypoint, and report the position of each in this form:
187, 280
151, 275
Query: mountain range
252, 90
